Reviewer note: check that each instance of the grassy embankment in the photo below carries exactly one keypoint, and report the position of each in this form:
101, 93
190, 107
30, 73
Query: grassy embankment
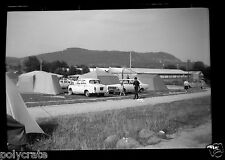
88, 131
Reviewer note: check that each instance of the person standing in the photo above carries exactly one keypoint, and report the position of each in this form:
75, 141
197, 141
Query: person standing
186, 85
136, 84
202, 84
122, 90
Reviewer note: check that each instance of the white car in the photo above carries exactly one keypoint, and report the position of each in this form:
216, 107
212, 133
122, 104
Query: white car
129, 87
114, 88
64, 82
87, 86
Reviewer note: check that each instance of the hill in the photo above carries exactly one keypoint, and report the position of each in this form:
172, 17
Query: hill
78, 56
12, 61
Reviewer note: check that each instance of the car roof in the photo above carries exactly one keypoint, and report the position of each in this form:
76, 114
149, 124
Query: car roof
88, 79
126, 79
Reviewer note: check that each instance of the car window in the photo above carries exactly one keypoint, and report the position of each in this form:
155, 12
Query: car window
125, 82
94, 82
83, 82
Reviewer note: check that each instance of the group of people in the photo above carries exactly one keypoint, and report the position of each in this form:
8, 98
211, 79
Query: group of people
136, 85
187, 85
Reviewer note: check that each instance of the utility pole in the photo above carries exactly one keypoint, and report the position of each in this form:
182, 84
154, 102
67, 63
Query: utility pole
130, 60
122, 72
40, 64
187, 68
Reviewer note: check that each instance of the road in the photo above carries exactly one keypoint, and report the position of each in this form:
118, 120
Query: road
68, 109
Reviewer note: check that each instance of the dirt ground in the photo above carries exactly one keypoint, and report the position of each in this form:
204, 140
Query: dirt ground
188, 137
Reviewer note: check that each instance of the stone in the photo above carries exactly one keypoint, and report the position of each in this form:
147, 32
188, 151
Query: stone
110, 141
162, 134
153, 140
145, 133
127, 143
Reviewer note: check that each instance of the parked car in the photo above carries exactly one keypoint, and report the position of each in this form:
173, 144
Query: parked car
128, 85
114, 88
64, 82
87, 86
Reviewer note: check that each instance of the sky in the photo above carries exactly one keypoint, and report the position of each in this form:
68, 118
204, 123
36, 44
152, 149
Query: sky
182, 32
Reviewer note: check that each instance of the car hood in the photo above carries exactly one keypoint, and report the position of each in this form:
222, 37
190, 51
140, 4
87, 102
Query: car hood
114, 85
99, 85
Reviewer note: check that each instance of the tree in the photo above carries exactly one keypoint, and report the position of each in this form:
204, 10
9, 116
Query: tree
31, 64
73, 70
170, 66
183, 68
198, 66
85, 69
56, 65
61, 72
206, 73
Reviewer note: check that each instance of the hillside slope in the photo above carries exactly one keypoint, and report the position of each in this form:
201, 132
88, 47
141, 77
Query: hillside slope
77, 56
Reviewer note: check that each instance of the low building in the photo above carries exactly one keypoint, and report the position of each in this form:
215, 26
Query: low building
169, 76
196, 76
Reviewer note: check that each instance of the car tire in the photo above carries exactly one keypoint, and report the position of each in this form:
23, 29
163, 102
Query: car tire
141, 90
106, 93
87, 94
70, 92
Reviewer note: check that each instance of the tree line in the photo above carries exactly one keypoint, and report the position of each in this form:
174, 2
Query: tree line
32, 63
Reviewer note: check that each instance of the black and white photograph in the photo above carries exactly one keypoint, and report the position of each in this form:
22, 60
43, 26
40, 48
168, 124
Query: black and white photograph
113, 79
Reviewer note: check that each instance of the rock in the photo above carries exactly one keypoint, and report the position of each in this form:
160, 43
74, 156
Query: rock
146, 133
110, 141
126, 143
162, 134
153, 140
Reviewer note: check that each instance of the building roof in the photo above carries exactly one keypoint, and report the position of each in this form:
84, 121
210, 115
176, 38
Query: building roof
158, 71
143, 70
196, 72
120, 70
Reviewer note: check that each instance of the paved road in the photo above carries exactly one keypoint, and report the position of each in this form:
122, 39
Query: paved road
66, 109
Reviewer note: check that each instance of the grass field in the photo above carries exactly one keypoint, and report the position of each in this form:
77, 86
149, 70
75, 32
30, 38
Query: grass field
88, 131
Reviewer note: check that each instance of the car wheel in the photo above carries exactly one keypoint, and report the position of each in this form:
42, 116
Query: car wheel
87, 94
106, 93
141, 90
70, 92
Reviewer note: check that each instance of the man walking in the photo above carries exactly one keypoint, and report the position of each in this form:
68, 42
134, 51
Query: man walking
136, 87
186, 85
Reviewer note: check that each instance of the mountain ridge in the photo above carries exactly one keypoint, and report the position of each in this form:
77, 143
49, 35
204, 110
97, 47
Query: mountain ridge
106, 58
